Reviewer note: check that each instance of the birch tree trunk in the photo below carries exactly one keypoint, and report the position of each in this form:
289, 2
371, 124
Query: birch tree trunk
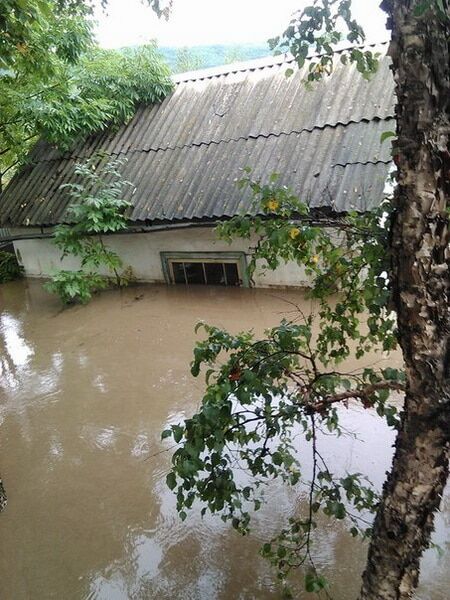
3, 500
421, 286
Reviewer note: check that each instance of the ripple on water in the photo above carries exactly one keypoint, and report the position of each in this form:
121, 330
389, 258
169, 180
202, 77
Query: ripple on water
101, 438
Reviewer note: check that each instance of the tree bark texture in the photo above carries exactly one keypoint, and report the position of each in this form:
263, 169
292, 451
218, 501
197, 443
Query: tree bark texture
421, 292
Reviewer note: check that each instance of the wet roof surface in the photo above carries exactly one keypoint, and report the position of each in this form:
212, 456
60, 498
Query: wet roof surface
185, 154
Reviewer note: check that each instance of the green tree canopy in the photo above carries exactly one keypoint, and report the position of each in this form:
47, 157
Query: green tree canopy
56, 84
34, 32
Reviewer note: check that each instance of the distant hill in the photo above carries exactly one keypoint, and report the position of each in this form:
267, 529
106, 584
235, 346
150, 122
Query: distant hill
202, 57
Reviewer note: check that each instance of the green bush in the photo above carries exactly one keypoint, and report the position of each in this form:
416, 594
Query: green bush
9, 267
75, 286
97, 208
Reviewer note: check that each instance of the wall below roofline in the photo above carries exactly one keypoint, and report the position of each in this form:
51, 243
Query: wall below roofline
40, 257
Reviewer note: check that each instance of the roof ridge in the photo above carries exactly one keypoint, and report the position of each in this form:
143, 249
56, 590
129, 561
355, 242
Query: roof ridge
255, 64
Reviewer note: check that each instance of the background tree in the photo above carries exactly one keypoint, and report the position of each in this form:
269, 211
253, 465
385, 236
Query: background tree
214, 55
187, 60
39, 40
57, 85
234, 54
265, 386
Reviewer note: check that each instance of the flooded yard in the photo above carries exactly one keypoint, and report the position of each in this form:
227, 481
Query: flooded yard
84, 395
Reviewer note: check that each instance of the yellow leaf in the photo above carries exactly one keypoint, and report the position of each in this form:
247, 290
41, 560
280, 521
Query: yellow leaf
272, 204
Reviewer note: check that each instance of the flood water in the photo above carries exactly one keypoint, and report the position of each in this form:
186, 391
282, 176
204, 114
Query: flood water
84, 395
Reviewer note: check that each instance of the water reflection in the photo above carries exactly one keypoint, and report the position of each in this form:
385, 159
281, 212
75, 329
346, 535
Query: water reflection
84, 394
15, 352
15, 346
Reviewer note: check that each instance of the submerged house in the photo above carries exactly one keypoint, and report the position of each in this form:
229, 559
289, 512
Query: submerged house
185, 155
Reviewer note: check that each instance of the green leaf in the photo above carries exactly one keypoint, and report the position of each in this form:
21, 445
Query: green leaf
166, 433
266, 549
198, 326
277, 459
177, 433
340, 511
295, 477
314, 583
195, 369
386, 135
171, 481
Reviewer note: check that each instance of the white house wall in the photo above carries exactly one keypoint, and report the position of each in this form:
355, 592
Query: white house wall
40, 257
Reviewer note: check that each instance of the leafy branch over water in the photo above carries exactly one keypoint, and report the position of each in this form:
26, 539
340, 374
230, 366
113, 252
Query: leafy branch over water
263, 393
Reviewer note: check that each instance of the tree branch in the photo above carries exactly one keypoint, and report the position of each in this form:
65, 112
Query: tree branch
358, 394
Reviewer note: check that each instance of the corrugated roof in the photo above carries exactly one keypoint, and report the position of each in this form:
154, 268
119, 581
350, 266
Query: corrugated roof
185, 155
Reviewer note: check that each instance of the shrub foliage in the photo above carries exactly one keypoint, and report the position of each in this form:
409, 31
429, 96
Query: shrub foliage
97, 208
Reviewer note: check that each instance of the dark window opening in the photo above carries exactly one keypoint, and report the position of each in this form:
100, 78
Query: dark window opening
205, 273
178, 273
194, 273
231, 274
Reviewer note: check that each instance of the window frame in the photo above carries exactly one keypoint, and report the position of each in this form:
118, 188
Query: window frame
237, 258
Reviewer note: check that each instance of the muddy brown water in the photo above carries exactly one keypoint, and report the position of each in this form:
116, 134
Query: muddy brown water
84, 395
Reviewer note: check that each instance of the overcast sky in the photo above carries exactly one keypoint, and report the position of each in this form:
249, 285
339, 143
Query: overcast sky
193, 22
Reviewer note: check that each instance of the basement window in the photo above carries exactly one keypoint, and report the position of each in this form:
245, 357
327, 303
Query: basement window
209, 268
